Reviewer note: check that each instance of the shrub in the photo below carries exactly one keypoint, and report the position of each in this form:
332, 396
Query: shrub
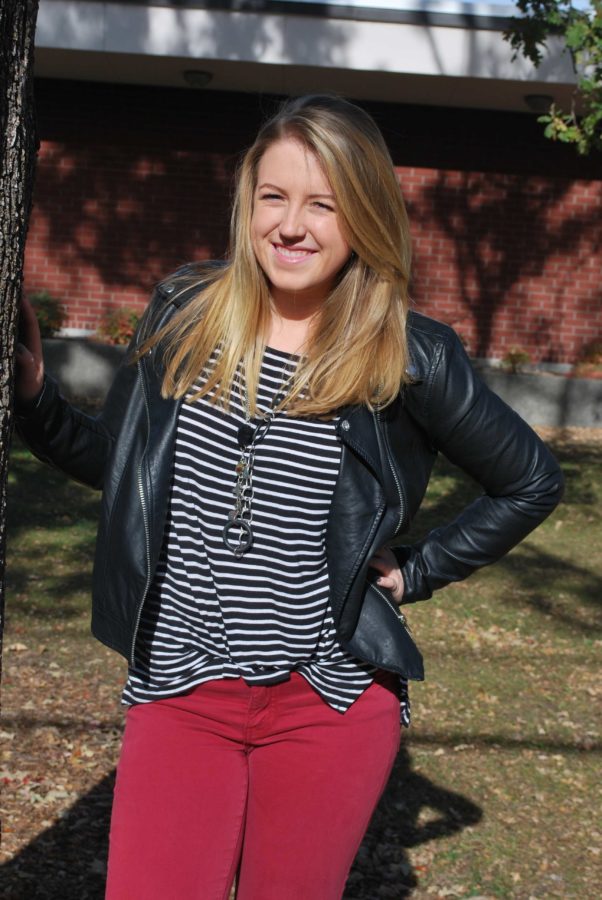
119, 325
592, 353
50, 312
589, 361
516, 358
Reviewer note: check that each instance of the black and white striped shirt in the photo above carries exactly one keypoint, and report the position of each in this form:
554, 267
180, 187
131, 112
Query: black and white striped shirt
210, 615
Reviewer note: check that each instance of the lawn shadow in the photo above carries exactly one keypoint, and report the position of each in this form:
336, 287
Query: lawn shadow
535, 571
382, 866
68, 860
536, 574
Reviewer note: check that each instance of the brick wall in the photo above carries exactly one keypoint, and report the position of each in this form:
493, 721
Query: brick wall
509, 259
109, 222
134, 181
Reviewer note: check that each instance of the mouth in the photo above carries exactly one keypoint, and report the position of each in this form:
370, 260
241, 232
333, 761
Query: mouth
292, 254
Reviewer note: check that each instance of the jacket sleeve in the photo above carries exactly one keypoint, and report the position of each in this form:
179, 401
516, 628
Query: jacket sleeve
68, 439
521, 479
81, 445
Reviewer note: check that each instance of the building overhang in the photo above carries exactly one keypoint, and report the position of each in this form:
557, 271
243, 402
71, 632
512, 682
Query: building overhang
438, 53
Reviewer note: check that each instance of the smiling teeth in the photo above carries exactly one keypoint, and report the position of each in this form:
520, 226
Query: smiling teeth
293, 254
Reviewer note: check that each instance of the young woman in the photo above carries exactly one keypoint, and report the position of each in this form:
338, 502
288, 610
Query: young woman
260, 453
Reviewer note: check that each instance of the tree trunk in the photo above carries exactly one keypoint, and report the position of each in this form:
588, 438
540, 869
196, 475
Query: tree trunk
17, 167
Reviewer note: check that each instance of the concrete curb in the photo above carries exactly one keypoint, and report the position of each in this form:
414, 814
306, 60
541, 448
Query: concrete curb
85, 369
549, 399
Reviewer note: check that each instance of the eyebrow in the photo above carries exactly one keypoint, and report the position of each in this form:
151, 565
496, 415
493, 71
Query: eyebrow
280, 190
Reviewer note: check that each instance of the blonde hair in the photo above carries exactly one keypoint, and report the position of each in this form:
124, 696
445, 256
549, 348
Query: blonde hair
357, 351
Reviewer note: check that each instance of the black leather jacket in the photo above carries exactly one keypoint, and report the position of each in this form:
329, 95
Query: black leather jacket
386, 462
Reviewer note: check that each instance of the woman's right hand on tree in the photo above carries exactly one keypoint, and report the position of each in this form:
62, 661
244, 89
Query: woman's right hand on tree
29, 375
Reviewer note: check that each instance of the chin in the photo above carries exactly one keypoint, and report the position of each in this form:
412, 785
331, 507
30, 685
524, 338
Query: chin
297, 286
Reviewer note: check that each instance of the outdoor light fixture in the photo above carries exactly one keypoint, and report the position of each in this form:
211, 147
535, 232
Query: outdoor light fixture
539, 103
197, 78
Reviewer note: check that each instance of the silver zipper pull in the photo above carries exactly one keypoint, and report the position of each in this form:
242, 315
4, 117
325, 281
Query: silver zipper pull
403, 621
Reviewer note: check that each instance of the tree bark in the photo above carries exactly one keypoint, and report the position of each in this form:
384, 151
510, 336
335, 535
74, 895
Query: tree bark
18, 147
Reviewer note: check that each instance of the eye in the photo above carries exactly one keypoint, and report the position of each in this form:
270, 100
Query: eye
320, 204
270, 196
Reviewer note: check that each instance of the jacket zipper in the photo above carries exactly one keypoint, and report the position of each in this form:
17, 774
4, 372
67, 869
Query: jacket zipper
395, 608
144, 519
395, 476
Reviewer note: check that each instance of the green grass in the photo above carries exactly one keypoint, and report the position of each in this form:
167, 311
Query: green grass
496, 790
51, 530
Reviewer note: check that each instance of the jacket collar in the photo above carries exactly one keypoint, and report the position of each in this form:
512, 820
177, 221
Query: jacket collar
356, 429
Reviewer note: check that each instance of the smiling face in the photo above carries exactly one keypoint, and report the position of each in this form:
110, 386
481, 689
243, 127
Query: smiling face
295, 228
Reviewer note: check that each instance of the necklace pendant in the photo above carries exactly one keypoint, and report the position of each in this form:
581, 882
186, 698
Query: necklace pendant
237, 544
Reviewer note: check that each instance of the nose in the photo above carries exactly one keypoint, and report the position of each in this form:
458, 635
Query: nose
292, 226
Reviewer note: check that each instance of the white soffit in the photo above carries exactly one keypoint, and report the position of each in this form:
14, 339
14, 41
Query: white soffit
285, 52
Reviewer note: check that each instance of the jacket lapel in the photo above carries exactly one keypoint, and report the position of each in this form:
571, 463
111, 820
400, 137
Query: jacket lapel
357, 506
356, 430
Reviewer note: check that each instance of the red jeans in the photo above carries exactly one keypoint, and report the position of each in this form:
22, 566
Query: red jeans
269, 781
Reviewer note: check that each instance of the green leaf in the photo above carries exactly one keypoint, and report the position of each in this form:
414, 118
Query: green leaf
582, 32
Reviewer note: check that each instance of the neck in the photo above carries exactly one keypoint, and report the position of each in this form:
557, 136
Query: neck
290, 327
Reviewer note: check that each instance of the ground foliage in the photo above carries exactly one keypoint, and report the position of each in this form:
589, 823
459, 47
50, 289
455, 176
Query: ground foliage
495, 792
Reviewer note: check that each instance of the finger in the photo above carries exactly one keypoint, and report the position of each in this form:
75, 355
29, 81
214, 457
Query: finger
29, 327
387, 582
29, 374
23, 356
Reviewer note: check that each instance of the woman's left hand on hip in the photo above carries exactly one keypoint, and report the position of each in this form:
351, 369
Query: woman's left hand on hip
390, 574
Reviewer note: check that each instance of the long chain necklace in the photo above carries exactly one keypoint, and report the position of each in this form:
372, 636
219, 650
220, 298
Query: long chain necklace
238, 533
